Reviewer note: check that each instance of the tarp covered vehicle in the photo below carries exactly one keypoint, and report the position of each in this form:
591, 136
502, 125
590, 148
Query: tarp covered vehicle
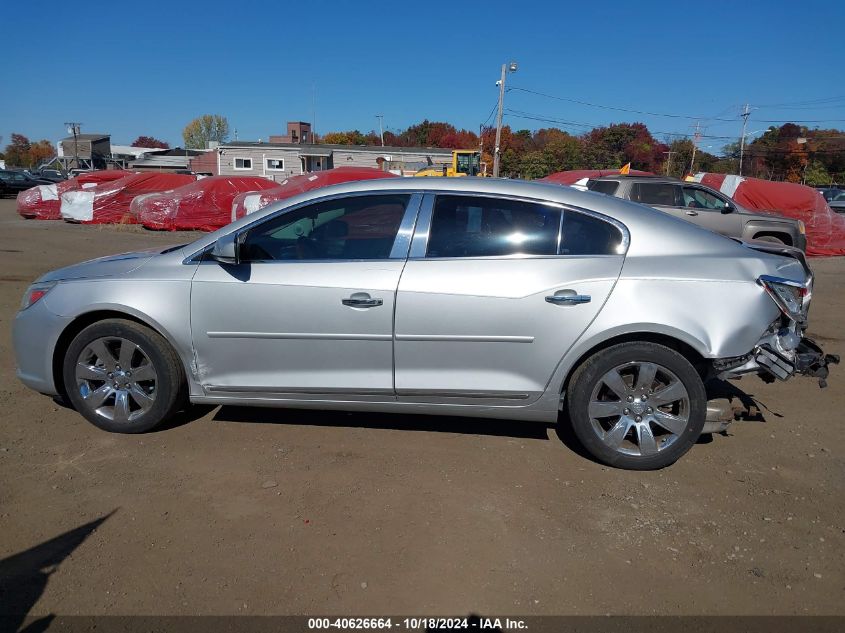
204, 205
44, 201
109, 203
247, 203
825, 229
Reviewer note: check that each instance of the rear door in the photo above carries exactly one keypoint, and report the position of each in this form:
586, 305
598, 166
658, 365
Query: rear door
665, 196
495, 292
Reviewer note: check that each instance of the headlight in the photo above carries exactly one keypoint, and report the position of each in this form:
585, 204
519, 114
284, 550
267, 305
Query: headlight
35, 292
788, 295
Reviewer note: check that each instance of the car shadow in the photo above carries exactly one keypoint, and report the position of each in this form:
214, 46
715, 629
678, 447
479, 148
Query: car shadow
392, 421
751, 410
24, 576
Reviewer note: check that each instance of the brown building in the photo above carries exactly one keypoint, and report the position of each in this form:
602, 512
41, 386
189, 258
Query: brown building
298, 132
85, 151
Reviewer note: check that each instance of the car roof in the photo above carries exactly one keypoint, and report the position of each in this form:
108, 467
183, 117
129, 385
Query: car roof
667, 179
636, 217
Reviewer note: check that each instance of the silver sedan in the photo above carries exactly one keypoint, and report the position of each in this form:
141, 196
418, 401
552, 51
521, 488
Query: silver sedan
476, 297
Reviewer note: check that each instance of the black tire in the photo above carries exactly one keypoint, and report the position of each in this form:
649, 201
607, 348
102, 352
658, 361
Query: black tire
169, 386
589, 376
771, 239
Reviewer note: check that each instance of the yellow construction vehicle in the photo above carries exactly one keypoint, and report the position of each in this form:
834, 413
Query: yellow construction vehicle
465, 162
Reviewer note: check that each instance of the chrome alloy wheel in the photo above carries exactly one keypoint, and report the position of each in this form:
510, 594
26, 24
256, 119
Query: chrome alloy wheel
639, 408
116, 379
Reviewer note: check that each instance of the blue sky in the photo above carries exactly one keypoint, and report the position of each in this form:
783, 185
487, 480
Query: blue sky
149, 67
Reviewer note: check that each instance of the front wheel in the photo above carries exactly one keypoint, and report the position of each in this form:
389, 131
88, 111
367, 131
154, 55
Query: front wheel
771, 239
639, 406
123, 377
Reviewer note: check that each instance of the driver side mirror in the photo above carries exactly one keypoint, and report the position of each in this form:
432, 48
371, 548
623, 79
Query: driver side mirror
226, 250
728, 208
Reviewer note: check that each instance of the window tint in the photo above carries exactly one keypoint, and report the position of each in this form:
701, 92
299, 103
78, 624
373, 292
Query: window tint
700, 199
607, 187
468, 226
585, 235
655, 193
359, 227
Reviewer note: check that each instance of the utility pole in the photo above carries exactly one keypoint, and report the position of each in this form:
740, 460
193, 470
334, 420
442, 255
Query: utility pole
73, 127
695, 140
745, 114
497, 150
668, 161
313, 113
380, 118
481, 145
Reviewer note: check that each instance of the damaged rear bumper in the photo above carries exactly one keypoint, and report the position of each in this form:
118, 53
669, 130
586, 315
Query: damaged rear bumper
780, 356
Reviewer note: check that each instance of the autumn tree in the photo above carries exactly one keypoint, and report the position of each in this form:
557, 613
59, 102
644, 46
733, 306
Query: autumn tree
150, 141
620, 143
23, 153
205, 129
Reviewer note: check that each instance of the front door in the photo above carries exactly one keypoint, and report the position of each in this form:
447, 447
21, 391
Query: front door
495, 293
711, 211
310, 308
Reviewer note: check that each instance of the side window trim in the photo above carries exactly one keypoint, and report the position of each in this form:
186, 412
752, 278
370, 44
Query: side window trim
402, 241
419, 243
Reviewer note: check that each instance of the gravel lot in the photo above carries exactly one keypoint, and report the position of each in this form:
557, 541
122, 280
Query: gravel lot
249, 511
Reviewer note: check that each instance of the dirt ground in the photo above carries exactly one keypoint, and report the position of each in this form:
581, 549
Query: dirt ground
249, 511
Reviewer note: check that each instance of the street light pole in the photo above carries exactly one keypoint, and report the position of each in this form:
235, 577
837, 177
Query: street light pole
380, 118
497, 149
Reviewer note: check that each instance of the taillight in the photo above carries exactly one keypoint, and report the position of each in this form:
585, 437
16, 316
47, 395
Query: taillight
790, 296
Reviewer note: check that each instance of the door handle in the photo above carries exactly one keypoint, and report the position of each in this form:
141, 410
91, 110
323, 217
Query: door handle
361, 300
691, 212
568, 299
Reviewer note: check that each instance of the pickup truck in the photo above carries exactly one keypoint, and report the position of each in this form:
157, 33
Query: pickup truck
705, 207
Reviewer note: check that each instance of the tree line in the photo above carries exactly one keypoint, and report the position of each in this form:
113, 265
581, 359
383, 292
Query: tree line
790, 152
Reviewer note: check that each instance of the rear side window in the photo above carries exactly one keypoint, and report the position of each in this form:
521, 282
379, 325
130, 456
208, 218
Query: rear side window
583, 234
607, 187
655, 193
470, 226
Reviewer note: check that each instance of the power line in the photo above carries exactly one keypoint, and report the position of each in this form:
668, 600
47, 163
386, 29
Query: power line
630, 110
589, 126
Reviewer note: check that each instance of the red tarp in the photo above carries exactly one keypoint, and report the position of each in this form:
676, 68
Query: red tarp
249, 202
571, 177
108, 203
825, 229
204, 205
44, 201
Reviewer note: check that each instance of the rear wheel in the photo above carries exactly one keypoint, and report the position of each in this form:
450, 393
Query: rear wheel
123, 377
639, 406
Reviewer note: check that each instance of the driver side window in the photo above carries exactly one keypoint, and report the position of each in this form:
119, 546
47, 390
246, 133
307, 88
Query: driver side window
357, 227
701, 199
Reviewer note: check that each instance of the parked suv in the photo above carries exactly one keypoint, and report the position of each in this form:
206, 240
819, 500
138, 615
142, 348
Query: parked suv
703, 206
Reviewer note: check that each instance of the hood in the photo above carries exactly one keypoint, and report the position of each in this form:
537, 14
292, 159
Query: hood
111, 266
